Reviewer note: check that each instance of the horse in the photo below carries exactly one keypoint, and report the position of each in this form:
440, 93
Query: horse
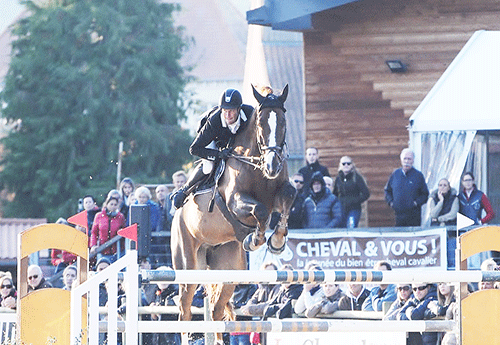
253, 184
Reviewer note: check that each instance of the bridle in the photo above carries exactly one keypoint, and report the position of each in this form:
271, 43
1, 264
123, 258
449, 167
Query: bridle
281, 152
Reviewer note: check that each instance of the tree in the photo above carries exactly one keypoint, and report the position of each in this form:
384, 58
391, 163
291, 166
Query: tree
84, 76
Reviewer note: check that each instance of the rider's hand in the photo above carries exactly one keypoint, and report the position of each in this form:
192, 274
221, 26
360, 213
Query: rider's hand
224, 154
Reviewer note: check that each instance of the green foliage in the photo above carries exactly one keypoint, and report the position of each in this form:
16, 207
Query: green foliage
85, 75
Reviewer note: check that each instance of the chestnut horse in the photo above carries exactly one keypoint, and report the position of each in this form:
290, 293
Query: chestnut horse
253, 184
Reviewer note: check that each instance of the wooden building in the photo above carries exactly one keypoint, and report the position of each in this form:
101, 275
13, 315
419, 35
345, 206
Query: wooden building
355, 105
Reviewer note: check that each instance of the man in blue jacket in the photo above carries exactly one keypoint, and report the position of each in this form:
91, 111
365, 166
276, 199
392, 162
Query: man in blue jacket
406, 191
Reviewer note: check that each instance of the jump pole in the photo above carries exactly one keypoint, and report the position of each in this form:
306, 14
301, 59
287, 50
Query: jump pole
326, 276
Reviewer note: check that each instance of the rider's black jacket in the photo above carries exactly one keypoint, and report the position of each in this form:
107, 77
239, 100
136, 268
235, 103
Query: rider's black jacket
213, 130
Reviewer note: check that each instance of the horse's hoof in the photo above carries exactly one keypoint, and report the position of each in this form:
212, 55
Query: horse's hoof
248, 244
274, 250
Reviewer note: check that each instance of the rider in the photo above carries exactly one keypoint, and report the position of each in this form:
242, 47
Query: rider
215, 138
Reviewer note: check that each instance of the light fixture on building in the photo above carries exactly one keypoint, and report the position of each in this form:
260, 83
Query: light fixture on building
396, 66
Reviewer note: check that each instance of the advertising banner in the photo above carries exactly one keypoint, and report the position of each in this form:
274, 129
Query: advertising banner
341, 250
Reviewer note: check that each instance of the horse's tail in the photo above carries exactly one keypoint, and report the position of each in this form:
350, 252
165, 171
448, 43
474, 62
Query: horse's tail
214, 291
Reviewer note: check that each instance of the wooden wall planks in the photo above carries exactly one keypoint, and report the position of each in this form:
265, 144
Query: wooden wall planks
354, 105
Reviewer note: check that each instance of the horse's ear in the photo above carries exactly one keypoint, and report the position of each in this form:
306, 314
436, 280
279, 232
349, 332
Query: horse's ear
284, 94
257, 95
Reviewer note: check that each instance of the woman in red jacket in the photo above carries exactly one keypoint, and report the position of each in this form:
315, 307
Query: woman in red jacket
106, 226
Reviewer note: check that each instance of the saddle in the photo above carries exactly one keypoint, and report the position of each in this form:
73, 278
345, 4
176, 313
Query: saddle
210, 185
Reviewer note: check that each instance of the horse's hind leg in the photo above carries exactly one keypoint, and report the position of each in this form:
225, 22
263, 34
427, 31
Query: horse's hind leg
184, 248
218, 260
277, 241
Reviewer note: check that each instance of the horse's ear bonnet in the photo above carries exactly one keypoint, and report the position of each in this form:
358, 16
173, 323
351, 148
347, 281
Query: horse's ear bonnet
271, 100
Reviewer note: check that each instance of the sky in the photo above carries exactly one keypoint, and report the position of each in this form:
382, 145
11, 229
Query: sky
10, 9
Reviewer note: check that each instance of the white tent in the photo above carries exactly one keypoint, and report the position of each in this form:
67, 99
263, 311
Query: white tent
465, 100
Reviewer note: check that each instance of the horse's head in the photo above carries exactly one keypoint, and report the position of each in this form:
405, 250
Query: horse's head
271, 131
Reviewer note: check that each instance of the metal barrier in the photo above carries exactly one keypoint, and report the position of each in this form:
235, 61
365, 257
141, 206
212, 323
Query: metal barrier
8, 320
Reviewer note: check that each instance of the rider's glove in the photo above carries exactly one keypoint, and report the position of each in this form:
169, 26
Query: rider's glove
224, 154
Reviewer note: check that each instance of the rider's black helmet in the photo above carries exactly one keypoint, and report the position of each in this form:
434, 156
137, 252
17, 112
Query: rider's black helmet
231, 99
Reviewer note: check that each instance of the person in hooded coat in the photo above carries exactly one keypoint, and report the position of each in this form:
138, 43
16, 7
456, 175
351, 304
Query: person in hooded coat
321, 208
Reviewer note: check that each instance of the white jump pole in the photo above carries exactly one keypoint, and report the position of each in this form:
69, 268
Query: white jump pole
304, 325
328, 276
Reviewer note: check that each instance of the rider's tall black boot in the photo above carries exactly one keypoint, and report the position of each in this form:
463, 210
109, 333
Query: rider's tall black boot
195, 177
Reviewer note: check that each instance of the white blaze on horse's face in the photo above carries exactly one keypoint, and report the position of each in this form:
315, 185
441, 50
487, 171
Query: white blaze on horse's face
272, 160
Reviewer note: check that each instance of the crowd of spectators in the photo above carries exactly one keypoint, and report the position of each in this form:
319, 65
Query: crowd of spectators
321, 202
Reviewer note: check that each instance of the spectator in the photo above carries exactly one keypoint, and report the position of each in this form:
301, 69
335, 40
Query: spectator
473, 201
36, 281
453, 313
281, 305
106, 226
404, 294
445, 296
143, 196
242, 294
406, 191
165, 218
160, 244
321, 209
329, 303
489, 265
416, 309
8, 293
60, 258
126, 189
311, 293
115, 193
328, 182
165, 295
295, 217
354, 298
443, 204
350, 187
100, 266
312, 166
69, 277
262, 296
92, 209
381, 293
148, 289
179, 178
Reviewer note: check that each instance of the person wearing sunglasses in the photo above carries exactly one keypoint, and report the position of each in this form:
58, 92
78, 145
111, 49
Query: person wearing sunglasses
36, 281
8, 294
295, 216
350, 187
404, 292
417, 309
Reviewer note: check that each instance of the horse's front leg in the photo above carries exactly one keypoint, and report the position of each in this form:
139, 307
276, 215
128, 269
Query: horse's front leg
284, 200
248, 211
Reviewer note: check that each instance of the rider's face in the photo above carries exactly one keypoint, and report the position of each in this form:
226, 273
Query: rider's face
230, 115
